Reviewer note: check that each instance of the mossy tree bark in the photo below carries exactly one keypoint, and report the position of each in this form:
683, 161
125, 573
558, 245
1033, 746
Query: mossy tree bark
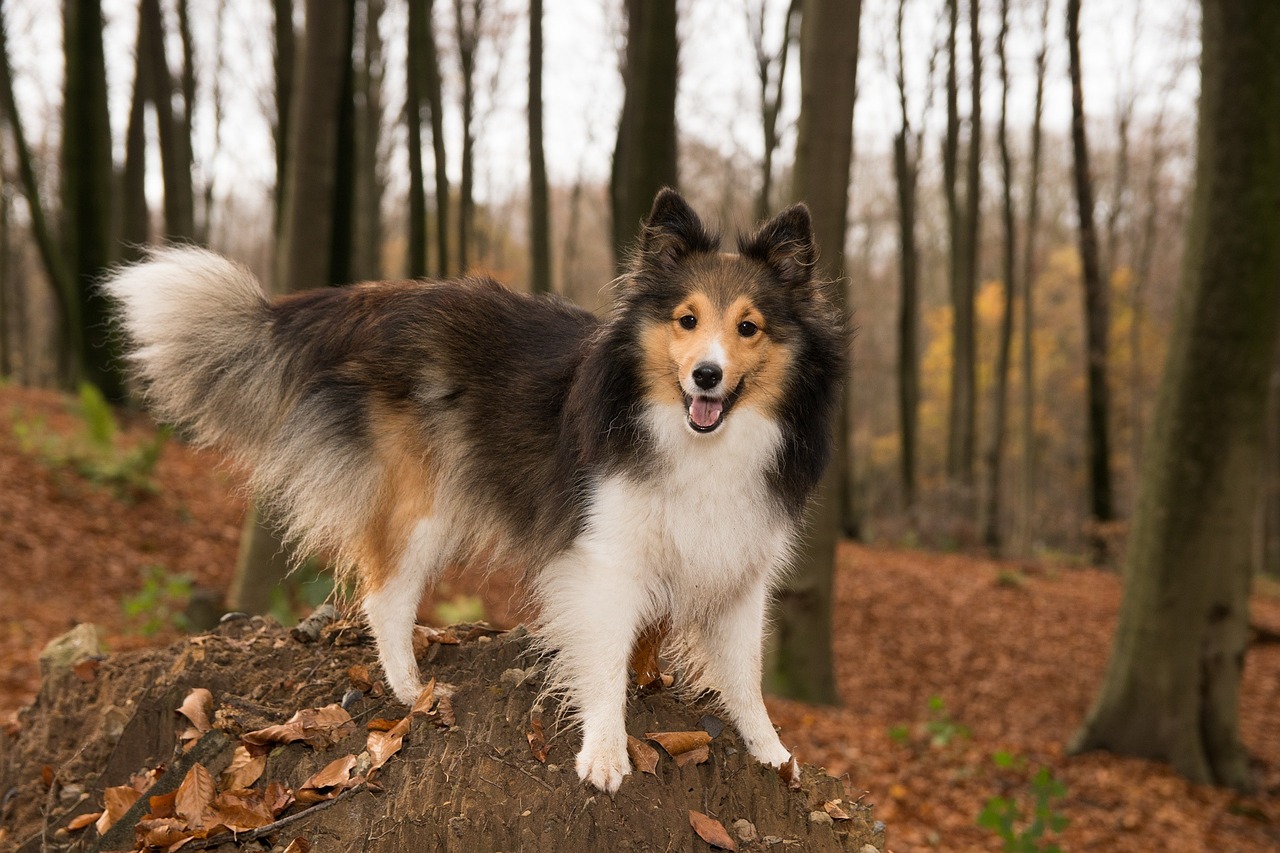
1172, 688
800, 659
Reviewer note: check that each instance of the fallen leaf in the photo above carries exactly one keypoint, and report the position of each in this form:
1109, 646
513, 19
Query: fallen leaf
711, 831
445, 717
537, 740
677, 743
247, 764
144, 779
358, 675
298, 845
789, 772
162, 832
240, 810
87, 669
643, 756
81, 821
426, 698
116, 801
645, 654
328, 782
381, 724
162, 805
697, 755
381, 746
832, 807
46, 776
197, 708
194, 796
317, 727
424, 636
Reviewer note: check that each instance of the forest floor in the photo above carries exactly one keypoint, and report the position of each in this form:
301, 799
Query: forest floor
961, 678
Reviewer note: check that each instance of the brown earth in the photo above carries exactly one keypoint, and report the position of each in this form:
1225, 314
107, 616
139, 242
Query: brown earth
943, 659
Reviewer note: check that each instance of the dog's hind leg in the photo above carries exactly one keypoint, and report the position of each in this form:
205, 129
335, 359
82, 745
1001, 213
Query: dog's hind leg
391, 606
730, 657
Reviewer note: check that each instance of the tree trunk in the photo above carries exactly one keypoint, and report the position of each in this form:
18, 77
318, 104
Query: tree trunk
539, 205
1097, 312
175, 152
1029, 266
435, 103
59, 272
135, 218
1171, 691
467, 15
771, 88
644, 156
343, 204
369, 170
414, 73
285, 60
800, 662
958, 245
304, 256
87, 174
906, 162
995, 451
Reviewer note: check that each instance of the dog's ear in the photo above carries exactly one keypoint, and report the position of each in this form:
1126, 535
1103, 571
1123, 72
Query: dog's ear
672, 230
785, 244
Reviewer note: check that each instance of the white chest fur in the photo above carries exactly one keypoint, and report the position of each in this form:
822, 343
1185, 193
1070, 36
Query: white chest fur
703, 527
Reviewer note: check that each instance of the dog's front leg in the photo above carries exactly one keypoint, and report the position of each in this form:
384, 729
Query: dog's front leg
732, 644
592, 612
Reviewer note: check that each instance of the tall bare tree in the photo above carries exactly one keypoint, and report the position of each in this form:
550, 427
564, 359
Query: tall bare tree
539, 204
1000, 393
172, 123
771, 73
369, 177
286, 39
644, 156
468, 16
1172, 687
1097, 310
432, 92
800, 662
87, 192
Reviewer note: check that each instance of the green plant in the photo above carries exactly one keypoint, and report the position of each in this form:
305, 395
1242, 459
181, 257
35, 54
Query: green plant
160, 603
1022, 833
95, 452
941, 728
460, 608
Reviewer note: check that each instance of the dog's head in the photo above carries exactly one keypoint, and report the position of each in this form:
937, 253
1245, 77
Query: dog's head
719, 330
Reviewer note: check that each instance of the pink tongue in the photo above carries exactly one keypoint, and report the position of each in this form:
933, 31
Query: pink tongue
705, 412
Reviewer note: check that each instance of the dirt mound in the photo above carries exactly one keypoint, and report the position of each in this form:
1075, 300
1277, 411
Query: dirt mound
471, 776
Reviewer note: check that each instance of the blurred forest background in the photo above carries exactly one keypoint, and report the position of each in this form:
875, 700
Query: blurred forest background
168, 119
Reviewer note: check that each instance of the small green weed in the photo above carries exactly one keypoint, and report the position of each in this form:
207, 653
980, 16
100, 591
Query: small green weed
95, 452
941, 728
460, 608
160, 603
1020, 832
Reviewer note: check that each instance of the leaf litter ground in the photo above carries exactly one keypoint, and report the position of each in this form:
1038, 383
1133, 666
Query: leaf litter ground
943, 660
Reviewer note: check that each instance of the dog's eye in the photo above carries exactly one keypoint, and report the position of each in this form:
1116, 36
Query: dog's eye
688, 321
747, 329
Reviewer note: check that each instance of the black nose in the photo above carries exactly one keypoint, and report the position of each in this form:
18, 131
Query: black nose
707, 376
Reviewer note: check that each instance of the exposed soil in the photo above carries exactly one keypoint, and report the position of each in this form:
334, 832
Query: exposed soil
1013, 653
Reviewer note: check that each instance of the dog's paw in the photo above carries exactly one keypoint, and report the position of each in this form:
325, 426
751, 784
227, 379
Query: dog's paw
603, 768
407, 691
773, 754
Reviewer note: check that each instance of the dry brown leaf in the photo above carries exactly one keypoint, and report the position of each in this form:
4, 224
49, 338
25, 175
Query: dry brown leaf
697, 755
381, 746
247, 764
81, 821
537, 740
424, 636
46, 776
116, 801
194, 796
143, 780
162, 805
198, 708
317, 727
241, 810
298, 845
358, 675
645, 653
328, 782
87, 669
677, 743
790, 773
426, 698
163, 832
277, 797
832, 808
711, 831
643, 756
381, 724
445, 717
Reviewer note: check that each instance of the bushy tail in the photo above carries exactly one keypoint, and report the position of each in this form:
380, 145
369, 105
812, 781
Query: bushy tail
199, 340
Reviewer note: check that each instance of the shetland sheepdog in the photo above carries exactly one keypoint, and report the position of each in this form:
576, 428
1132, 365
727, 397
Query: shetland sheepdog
649, 468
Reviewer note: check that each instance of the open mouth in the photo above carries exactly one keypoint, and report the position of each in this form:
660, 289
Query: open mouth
705, 414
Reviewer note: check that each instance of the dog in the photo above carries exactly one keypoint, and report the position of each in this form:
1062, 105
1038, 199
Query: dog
652, 467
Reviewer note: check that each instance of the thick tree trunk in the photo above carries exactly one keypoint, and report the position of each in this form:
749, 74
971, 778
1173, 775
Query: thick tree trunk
800, 663
467, 15
539, 204
644, 156
995, 448
87, 207
964, 387
135, 218
771, 73
434, 97
1172, 687
370, 182
906, 163
958, 243
285, 59
417, 261
345, 168
1097, 311
175, 152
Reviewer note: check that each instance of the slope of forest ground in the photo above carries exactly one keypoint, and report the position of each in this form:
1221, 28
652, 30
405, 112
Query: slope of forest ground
946, 662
